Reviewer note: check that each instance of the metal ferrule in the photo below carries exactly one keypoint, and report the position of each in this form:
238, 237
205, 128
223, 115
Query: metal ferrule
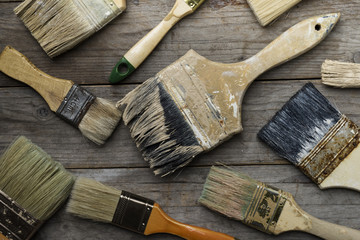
265, 208
15, 222
75, 105
133, 212
194, 4
98, 12
339, 142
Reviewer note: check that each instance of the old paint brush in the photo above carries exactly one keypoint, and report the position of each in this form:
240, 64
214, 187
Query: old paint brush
32, 188
95, 117
142, 49
341, 74
266, 11
59, 25
194, 104
96, 201
263, 207
312, 134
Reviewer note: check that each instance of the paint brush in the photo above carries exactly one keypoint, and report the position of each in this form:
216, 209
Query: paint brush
194, 104
59, 25
341, 74
266, 11
142, 49
32, 188
95, 117
263, 207
93, 200
312, 134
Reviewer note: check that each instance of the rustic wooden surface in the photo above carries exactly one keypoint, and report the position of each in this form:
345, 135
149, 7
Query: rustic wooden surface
221, 30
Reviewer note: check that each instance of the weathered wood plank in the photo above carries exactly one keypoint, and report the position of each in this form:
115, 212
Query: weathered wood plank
178, 197
22, 111
229, 33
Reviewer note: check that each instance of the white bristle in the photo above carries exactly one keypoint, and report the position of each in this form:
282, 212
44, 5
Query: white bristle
341, 74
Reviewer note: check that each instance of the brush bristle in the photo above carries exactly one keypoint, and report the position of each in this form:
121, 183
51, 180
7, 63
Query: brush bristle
228, 192
267, 11
159, 129
341, 74
32, 179
100, 121
62, 24
299, 126
93, 200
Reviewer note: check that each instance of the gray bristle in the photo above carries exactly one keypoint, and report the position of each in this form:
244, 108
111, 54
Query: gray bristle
299, 126
158, 127
33, 180
228, 192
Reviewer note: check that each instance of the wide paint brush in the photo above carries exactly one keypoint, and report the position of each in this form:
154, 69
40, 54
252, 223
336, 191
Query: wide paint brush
142, 49
32, 188
263, 207
96, 201
194, 104
316, 137
95, 117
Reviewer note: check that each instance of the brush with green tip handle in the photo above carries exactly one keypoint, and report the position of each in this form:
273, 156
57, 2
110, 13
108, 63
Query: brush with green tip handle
142, 49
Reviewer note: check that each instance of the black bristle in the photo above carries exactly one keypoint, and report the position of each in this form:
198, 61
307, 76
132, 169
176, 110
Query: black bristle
302, 122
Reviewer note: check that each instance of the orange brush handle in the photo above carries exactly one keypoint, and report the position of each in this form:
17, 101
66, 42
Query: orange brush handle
2, 237
160, 222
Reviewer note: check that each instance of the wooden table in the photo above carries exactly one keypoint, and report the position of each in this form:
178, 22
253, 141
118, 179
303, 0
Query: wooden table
221, 30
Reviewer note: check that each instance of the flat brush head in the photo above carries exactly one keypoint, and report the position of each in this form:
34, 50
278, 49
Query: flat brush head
228, 192
33, 180
300, 125
266, 11
93, 200
100, 121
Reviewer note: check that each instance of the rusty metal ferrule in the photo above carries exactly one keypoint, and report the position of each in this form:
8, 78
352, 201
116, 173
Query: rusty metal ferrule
133, 212
265, 208
75, 105
15, 222
335, 146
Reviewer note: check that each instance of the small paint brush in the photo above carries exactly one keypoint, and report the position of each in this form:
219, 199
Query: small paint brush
266, 11
312, 134
95, 117
194, 104
341, 74
142, 49
32, 188
96, 201
59, 25
263, 207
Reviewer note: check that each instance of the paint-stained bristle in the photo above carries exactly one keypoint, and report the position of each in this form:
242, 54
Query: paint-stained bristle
267, 11
299, 126
341, 74
228, 192
93, 200
159, 129
59, 25
100, 121
32, 179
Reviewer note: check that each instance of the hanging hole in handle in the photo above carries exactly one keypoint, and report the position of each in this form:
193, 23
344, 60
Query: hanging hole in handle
318, 27
123, 68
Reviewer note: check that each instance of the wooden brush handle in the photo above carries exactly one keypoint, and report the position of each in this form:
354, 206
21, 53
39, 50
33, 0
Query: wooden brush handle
17, 66
160, 222
142, 49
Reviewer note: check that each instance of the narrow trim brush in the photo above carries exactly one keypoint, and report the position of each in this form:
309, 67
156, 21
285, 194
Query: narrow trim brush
194, 104
312, 134
142, 49
263, 207
95, 117
341, 74
32, 188
59, 25
266, 11
96, 201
